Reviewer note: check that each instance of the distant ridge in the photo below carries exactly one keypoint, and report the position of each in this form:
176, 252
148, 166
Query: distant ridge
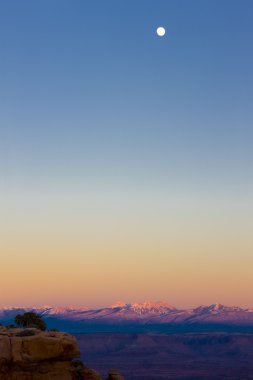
144, 314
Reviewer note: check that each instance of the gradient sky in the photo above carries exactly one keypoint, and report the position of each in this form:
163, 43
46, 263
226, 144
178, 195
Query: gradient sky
126, 160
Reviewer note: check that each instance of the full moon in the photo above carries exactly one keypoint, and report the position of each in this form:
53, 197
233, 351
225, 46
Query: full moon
160, 31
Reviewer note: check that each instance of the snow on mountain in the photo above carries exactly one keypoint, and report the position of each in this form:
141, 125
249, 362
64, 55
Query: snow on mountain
148, 312
223, 314
142, 309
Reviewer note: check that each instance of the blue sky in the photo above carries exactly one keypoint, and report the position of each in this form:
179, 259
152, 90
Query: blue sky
92, 101
90, 84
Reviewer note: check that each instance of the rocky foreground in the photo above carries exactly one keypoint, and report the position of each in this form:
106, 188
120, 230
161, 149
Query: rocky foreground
30, 354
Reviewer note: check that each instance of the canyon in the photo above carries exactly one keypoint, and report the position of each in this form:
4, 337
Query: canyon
184, 356
144, 341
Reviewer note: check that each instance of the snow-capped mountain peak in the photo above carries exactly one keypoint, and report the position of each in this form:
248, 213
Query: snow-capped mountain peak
217, 308
148, 305
148, 312
156, 305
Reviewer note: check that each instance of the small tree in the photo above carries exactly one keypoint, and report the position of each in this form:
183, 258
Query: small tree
30, 319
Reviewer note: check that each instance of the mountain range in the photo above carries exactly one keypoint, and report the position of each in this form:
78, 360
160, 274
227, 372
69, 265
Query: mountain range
143, 315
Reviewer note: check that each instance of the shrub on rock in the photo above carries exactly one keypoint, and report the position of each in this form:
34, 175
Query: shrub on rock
30, 319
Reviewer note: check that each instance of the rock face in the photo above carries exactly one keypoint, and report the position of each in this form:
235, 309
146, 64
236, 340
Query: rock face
114, 375
35, 355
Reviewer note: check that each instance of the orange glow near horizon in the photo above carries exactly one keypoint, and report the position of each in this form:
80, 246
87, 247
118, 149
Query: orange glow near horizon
184, 253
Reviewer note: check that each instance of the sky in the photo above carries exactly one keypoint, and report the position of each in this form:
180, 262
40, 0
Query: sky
126, 158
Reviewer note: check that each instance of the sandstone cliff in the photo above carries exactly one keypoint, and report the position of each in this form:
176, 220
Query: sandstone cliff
31, 354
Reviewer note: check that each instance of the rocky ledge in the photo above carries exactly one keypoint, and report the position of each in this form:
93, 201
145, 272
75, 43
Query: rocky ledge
30, 354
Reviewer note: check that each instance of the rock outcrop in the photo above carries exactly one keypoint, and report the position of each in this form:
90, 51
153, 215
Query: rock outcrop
114, 375
31, 354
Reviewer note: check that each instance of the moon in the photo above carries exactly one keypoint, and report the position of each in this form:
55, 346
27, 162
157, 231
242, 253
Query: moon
160, 31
